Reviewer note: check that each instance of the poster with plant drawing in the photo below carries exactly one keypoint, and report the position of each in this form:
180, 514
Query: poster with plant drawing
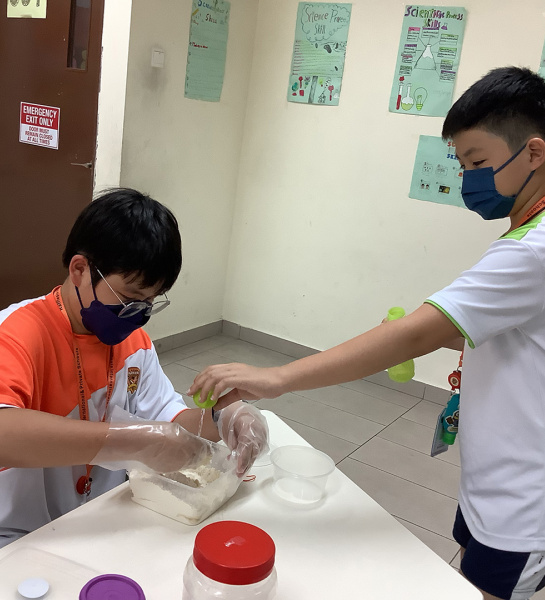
428, 60
321, 34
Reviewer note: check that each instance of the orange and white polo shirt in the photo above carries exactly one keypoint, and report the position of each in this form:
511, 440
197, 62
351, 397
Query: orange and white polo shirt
38, 372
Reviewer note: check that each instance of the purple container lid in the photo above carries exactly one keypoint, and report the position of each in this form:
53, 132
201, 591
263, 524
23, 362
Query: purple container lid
111, 587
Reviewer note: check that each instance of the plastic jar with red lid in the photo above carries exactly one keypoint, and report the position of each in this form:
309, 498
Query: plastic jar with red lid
231, 560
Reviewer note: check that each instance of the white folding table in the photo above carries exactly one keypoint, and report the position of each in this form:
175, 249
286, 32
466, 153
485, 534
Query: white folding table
347, 546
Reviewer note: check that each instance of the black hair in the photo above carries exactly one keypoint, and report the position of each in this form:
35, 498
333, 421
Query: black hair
508, 102
126, 232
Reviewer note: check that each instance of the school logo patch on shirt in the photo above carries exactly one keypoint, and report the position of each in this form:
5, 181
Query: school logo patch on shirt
132, 379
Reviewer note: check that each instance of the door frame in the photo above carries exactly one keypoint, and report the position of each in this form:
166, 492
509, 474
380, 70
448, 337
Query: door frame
111, 98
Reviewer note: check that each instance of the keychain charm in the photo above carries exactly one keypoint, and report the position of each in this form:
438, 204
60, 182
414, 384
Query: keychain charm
83, 485
446, 428
450, 419
451, 413
455, 379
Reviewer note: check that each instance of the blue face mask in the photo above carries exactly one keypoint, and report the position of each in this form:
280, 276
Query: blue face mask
104, 322
480, 194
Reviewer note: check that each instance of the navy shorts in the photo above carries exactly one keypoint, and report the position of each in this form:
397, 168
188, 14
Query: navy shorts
507, 575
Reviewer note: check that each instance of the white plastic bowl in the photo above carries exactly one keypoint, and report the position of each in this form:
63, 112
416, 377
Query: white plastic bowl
300, 473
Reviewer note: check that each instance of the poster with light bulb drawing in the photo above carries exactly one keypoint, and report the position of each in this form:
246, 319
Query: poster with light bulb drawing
428, 59
319, 49
437, 175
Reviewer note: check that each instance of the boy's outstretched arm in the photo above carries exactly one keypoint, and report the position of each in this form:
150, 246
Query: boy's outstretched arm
33, 439
421, 332
30, 438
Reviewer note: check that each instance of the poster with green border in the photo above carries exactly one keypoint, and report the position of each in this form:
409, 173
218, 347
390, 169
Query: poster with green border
541, 70
427, 60
207, 49
319, 50
437, 175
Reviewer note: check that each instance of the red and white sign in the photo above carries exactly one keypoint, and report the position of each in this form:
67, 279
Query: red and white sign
39, 125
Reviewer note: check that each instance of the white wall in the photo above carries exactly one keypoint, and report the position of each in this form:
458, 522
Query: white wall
325, 238
111, 98
186, 153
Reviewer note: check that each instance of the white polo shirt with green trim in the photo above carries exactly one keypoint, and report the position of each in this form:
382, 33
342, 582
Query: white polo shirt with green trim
499, 307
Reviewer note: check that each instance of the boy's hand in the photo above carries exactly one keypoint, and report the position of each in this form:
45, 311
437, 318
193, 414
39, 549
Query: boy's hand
244, 430
247, 383
160, 446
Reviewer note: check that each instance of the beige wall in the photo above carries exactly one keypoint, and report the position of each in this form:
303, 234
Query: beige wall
322, 201
186, 153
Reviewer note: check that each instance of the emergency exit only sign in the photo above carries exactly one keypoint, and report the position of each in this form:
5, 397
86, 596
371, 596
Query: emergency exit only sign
39, 125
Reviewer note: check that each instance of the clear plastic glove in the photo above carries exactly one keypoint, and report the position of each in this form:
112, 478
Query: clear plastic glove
245, 432
161, 446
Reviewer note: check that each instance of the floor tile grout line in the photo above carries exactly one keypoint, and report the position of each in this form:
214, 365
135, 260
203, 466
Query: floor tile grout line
403, 416
415, 449
345, 385
331, 435
210, 350
450, 539
401, 445
185, 367
379, 432
425, 487
356, 414
362, 394
408, 447
322, 431
263, 348
198, 351
219, 356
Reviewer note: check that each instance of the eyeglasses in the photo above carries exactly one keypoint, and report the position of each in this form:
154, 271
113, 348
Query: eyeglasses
138, 306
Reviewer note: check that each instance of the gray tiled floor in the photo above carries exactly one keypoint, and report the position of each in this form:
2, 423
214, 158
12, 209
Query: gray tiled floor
379, 437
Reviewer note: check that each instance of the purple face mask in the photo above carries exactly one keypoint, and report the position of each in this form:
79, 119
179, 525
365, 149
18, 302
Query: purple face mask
103, 320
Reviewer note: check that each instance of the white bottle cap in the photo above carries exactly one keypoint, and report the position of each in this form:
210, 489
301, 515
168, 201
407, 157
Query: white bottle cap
34, 587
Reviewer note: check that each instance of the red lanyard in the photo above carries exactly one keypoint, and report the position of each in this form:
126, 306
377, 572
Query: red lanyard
83, 485
538, 207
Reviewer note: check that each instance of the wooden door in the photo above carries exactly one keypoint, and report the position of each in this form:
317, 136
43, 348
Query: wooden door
51, 62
